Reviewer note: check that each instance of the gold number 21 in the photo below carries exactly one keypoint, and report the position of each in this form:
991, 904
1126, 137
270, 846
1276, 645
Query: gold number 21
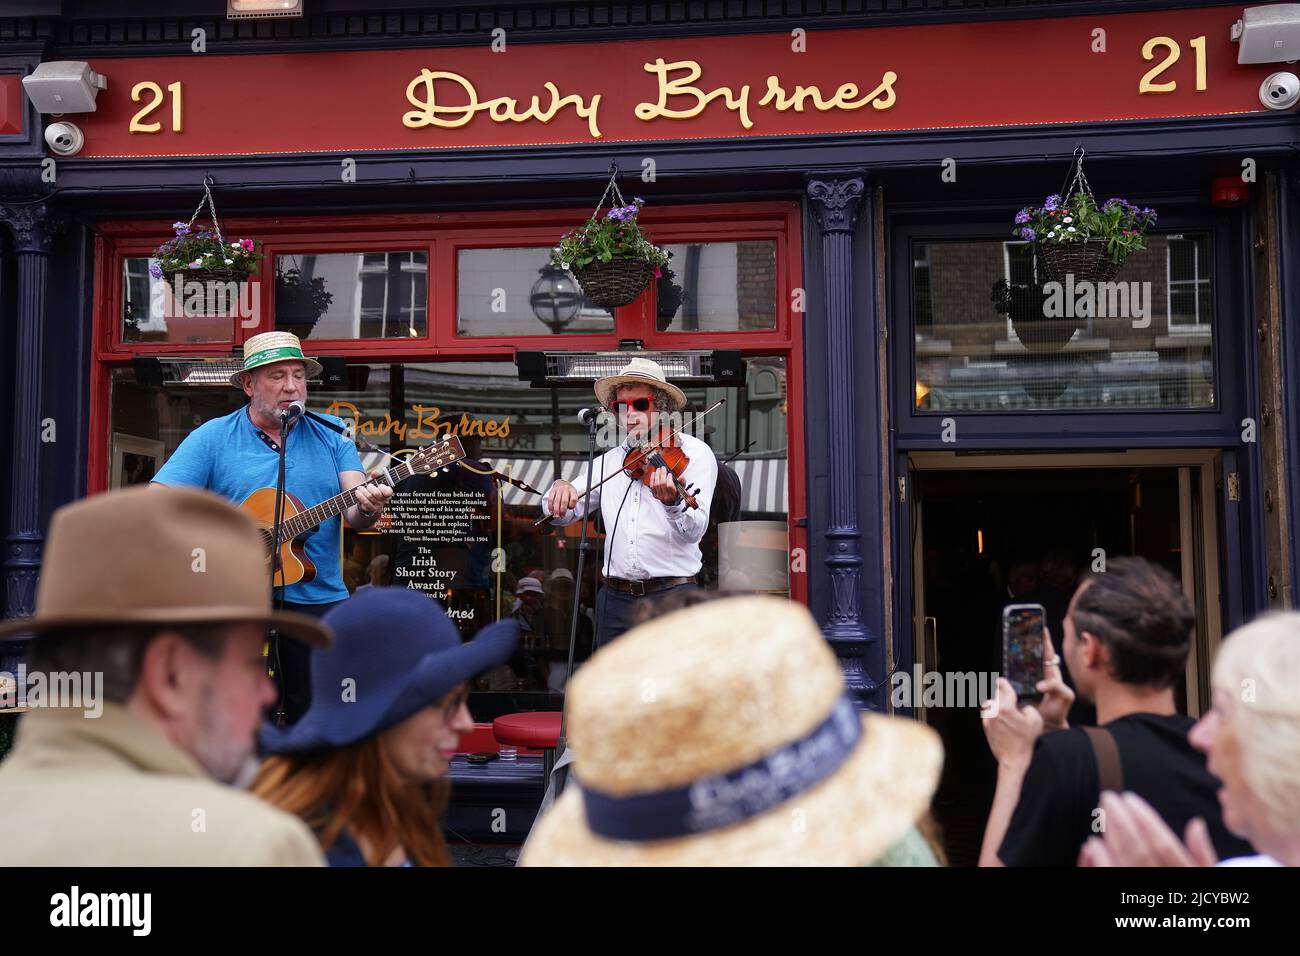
1148, 84
148, 86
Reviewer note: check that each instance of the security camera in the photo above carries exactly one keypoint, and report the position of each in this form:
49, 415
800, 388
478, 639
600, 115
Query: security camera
1268, 34
64, 139
64, 87
1280, 91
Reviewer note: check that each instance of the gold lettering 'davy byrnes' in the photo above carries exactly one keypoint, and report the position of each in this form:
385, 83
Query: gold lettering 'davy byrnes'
427, 424
678, 99
421, 93
844, 98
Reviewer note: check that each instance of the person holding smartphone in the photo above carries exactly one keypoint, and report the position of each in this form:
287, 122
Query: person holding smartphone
1127, 637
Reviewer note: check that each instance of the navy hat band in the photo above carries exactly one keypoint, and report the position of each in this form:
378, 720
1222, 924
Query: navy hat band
712, 803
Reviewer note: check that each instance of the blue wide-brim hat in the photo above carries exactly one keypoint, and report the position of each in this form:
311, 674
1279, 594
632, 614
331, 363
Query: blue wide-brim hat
401, 653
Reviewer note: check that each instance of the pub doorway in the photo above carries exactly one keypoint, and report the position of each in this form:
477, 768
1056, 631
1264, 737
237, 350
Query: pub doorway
987, 531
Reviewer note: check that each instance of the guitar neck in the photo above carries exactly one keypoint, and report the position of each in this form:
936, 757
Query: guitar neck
304, 521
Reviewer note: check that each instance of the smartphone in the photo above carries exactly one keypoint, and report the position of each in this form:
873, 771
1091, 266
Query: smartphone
1022, 648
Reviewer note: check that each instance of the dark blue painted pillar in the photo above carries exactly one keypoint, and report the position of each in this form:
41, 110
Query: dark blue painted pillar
849, 387
33, 226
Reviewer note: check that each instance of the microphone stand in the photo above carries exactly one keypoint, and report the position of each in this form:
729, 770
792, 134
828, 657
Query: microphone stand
561, 744
280, 715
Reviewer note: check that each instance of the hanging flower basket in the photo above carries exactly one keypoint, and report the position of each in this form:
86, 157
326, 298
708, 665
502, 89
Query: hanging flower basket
202, 254
1024, 306
1076, 237
609, 256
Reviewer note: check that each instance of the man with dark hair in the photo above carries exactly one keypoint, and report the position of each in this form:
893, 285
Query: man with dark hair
1128, 631
159, 595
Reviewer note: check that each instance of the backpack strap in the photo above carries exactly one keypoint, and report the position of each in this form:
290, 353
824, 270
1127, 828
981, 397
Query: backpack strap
1109, 770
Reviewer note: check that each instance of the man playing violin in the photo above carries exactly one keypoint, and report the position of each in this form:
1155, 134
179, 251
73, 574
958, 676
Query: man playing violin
652, 533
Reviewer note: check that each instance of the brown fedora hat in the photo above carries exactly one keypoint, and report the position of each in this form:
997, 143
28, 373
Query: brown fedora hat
156, 555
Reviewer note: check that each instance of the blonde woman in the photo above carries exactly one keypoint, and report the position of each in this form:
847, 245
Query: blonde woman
365, 767
1252, 738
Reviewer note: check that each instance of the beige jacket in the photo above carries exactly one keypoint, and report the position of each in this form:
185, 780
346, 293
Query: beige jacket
113, 791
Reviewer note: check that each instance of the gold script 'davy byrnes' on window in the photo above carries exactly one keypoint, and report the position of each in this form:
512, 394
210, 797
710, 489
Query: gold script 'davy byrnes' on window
678, 98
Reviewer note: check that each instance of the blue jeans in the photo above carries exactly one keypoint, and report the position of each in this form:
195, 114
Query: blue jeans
616, 610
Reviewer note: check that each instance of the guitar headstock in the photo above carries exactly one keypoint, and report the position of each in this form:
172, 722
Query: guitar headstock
439, 454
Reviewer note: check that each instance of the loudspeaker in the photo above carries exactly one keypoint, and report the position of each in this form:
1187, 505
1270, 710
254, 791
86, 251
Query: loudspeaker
728, 367
333, 371
148, 370
532, 366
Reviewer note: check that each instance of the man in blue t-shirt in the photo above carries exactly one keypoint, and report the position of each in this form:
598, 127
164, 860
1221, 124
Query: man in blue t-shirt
238, 454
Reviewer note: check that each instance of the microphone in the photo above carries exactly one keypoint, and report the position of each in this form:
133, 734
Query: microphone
587, 416
295, 410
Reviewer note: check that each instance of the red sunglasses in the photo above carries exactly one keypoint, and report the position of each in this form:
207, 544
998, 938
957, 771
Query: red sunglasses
640, 404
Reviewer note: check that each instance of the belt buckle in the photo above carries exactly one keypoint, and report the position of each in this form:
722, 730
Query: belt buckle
638, 588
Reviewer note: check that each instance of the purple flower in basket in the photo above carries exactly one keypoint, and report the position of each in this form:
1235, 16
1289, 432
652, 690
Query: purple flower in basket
1027, 234
155, 270
1052, 202
1022, 217
181, 228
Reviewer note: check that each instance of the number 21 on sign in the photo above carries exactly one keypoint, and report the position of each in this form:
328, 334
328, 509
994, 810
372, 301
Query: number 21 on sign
1149, 84
149, 86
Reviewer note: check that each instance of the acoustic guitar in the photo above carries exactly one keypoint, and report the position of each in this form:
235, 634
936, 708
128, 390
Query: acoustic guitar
298, 522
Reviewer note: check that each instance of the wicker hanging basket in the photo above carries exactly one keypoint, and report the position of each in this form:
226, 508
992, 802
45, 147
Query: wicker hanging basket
622, 280
1086, 261
615, 283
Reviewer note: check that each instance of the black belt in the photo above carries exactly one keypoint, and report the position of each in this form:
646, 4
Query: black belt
646, 586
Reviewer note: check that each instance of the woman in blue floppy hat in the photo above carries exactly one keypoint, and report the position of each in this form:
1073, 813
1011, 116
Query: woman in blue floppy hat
365, 766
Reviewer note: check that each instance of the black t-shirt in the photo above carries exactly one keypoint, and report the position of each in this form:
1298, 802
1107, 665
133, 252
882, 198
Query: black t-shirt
1062, 789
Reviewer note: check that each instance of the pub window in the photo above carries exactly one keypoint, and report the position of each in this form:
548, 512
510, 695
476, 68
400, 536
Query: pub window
922, 310
513, 292
717, 287
353, 295
155, 311
466, 535
999, 340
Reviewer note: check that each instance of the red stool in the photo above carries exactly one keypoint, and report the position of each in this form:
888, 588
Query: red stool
539, 730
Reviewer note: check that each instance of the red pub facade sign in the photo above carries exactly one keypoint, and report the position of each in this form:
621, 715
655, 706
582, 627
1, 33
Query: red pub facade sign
1167, 64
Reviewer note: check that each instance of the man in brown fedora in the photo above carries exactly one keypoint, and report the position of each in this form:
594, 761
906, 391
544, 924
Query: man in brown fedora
239, 454
652, 543
161, 593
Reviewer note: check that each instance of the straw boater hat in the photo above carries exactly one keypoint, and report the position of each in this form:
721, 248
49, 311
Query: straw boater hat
721, 735
156, 555
269, 348
639, 371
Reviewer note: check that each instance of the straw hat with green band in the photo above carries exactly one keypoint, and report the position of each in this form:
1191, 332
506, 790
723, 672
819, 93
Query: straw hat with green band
269, 348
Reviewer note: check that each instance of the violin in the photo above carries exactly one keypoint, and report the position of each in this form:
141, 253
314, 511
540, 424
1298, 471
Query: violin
641, 463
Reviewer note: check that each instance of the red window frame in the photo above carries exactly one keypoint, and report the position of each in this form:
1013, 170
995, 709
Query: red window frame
441, 235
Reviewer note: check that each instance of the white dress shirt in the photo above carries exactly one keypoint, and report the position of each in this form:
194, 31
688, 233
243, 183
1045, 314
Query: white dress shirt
645, 538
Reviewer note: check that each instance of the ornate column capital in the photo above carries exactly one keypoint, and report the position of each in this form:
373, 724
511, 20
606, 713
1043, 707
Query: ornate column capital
34, 225
836, 202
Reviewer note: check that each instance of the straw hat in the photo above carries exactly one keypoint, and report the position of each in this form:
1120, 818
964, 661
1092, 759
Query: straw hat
271, 347
156, 555
721, 735
639, 371
529, 584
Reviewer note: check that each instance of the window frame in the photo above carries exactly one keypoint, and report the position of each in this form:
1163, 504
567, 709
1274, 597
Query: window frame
442, 234
1072, 428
